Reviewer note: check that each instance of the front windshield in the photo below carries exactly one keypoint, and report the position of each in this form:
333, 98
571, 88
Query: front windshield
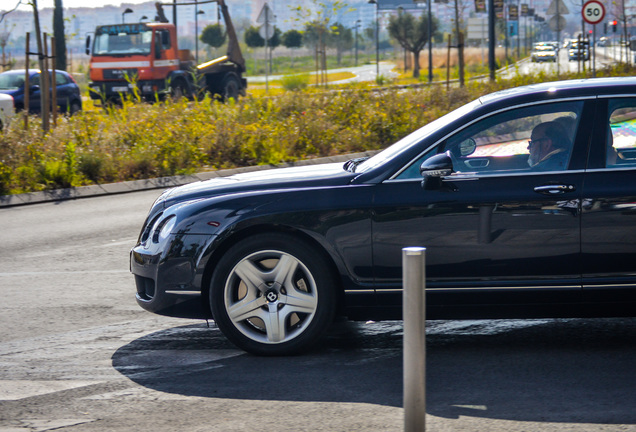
415, 137
11, 81
122, 39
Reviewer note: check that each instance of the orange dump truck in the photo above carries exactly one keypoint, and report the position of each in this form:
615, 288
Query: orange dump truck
144, 58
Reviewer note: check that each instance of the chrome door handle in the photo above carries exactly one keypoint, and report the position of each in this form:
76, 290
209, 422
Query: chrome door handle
554, 189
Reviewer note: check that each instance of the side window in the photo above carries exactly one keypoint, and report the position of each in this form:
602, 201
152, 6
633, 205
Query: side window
163, 37
621, 140
60, 79
536, 138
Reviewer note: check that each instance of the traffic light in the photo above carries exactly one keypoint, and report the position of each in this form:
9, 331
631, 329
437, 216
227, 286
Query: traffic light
614, 26
604, 28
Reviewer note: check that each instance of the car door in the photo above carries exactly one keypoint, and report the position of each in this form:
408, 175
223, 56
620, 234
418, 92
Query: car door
34, 93
496, 230
609, 210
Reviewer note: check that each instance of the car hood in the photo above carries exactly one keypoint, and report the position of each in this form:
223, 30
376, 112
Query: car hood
10, 92
322, 175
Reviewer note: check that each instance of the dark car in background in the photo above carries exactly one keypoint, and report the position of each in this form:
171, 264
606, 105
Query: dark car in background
273, 256
69, 99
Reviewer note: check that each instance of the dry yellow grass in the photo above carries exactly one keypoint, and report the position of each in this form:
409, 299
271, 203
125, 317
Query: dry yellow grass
472, 56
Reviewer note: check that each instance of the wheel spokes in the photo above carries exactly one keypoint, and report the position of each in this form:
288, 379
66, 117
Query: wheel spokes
299, 301
275, 323
254, 278
248, 307
284, 270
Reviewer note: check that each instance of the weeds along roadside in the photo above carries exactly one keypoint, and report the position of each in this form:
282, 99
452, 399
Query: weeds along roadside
139, 141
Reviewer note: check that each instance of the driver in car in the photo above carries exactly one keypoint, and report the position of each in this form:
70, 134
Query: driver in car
548, 147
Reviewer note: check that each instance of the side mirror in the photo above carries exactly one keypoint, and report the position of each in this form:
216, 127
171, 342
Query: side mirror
434, 168
165, 38
34, 88
88, 45
439, 165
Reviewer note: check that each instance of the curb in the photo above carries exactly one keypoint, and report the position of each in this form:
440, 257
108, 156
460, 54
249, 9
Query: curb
157, 183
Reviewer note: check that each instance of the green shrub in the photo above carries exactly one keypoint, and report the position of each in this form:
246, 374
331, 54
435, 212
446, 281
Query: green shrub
295, 82
139, 140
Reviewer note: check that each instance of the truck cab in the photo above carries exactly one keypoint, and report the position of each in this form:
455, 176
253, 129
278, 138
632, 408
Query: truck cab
134, 57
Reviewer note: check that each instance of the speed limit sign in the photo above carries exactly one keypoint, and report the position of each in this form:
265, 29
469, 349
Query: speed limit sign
593, 11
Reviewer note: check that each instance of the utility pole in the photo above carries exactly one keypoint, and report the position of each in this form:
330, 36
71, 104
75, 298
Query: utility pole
492, 66
460, 45
44, 91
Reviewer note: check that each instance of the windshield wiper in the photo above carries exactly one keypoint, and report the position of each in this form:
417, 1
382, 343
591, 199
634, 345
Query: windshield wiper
351, 164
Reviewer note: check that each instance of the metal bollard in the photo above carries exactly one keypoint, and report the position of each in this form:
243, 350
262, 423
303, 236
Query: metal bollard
414, 314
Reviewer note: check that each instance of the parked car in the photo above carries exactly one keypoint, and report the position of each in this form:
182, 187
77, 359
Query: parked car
542, 53
69, 99
274, 255
6, 110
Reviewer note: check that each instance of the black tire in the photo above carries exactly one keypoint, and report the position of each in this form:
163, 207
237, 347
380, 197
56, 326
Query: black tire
74, 108
272, 294
230, 87
180, 89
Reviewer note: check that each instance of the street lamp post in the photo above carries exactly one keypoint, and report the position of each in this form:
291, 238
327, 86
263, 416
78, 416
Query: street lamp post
430, 44
127, 11
377, 39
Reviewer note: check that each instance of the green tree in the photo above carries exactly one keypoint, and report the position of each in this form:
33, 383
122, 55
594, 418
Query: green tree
412, 34
317, 24
292, 39
58, 33
341, 38
369, 32
275, 39
313, 33
213, 35
252, 38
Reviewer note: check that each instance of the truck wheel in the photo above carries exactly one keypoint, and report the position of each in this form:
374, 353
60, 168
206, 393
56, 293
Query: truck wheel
230, 87
179, 90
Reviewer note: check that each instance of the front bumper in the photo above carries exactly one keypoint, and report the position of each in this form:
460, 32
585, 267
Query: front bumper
115, 90
169, 276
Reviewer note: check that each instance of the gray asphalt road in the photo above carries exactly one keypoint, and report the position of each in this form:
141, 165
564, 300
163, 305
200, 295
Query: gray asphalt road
367, 72
77, 354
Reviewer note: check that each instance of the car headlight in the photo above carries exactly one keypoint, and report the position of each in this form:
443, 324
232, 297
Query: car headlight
163, 228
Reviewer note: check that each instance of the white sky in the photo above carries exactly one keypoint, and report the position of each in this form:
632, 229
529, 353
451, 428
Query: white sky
10, 4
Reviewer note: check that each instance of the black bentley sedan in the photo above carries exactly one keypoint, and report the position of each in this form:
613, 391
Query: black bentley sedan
525, 200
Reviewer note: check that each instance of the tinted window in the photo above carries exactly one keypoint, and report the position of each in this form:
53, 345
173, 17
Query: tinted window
60, 79
621, 143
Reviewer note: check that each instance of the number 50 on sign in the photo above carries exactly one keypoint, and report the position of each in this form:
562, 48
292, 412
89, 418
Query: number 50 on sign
593, 12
